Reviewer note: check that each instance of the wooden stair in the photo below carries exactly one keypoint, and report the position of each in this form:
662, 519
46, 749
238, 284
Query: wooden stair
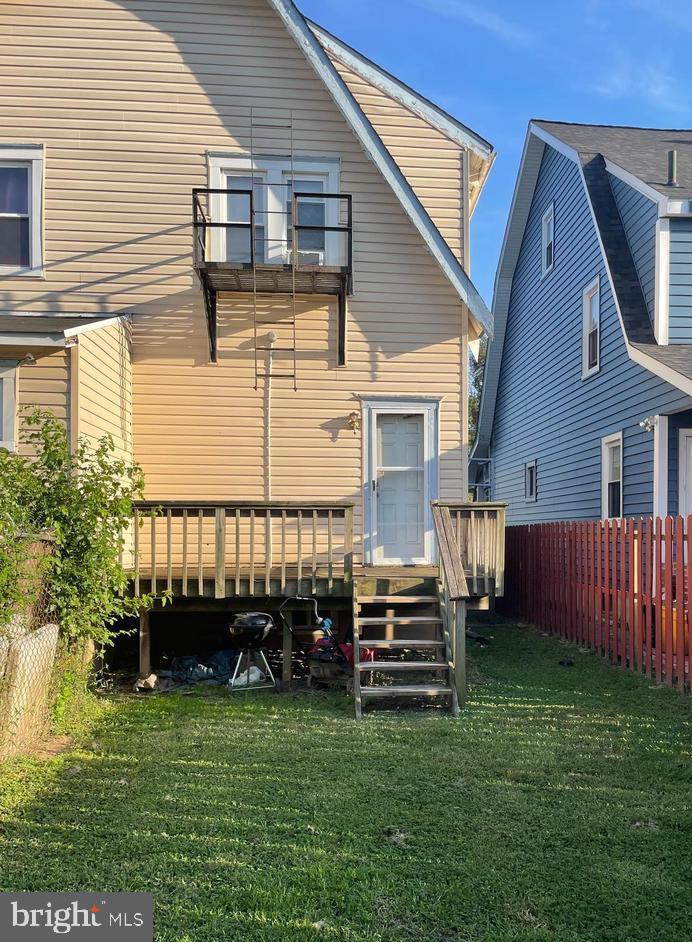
410, 628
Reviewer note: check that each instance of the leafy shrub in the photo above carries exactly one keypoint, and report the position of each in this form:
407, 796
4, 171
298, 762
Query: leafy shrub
85, 499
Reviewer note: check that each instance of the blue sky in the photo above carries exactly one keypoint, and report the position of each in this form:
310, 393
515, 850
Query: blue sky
494, 64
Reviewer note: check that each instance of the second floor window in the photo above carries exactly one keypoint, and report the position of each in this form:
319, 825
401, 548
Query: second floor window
20, 210
591, 329
548, 240
273, 181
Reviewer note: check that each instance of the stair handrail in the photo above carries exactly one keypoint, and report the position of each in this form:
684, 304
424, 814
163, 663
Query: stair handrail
450, 554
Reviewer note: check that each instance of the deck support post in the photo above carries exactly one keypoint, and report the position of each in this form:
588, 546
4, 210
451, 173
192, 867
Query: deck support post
460, 651
287, 665
144, 644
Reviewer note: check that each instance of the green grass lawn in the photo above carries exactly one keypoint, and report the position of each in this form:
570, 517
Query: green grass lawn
555, 808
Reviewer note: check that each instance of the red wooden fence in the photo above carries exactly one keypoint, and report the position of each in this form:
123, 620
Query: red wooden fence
619, 587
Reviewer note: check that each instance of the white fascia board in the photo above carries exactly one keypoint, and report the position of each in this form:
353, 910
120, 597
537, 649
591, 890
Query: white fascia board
65, 314
372, 144
638, 185
97, 325
20, 339
662, 280
399, 91
661, 370
520, 208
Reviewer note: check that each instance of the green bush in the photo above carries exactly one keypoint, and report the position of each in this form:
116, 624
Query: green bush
85, 498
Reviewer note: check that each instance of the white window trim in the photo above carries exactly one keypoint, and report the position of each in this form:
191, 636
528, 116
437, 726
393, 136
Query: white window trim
683, 435
662, 281
660, 495
30, 156
548, 216
429, 407
527, 498
274, 169
606, 442
8, 378
586, 370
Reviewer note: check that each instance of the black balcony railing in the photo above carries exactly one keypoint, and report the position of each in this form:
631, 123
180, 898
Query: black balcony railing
241, 245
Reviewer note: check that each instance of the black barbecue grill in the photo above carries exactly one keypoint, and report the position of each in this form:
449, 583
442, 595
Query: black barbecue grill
248, 633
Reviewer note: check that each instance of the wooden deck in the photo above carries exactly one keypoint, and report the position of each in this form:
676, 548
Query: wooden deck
242, 549
210, 554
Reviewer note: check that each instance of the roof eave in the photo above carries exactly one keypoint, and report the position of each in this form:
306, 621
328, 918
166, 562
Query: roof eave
404, 94
383, 160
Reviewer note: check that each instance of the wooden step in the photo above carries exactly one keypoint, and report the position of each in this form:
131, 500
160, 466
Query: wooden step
404, 666
397, 599
400, 643
396, 620
407, 690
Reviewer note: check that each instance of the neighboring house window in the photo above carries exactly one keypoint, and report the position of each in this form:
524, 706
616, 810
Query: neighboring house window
273, 180
21, 184
8, 405
591, 329
530, 481
611, 476
548, 240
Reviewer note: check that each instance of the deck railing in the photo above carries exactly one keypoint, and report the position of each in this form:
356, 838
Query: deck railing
479, 530
221, 550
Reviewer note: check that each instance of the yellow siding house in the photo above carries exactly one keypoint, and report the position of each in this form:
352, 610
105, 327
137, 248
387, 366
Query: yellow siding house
242, 249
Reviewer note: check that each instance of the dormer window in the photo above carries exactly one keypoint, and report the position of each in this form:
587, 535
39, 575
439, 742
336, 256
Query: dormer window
548, 240
591, 329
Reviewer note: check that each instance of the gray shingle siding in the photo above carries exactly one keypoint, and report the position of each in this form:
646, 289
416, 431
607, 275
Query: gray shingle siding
680, 302
545, 411
639, 215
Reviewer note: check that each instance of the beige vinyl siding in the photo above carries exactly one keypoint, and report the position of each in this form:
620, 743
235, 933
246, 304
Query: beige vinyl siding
44, 384
105, 386
128, 99
430, 161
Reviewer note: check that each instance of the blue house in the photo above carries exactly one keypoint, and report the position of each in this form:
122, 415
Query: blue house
586, 410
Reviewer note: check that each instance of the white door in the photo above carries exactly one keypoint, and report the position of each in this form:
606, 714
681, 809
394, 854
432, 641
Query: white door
400, 498
685, 472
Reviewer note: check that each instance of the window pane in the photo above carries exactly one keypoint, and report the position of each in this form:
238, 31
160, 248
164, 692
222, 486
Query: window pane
614, 463
238, 211
14, 242
614, 499
593, 348
14, 189
593, 310
549, 255
310, 213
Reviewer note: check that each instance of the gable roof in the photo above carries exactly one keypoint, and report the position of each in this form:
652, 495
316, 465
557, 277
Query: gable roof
298, 28
404, 94
671, 363
643, 152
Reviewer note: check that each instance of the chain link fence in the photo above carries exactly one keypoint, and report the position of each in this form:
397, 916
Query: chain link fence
28, 649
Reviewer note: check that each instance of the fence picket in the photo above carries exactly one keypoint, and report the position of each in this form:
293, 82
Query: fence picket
620, 587
658, 603
668, 602
679, 624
